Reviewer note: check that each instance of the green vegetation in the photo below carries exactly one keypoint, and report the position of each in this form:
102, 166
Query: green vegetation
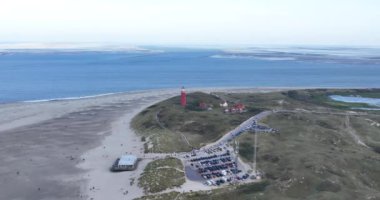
172, 128
246, 149
241, 192
162, 174
321, 97
165, 196
315, 155
369, 129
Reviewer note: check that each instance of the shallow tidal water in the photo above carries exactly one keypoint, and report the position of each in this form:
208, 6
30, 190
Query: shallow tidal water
54, 75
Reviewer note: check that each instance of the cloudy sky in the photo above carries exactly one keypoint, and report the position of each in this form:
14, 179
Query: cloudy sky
192, 22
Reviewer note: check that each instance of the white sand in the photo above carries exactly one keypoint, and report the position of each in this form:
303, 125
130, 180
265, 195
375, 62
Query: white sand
31, 123
98, 161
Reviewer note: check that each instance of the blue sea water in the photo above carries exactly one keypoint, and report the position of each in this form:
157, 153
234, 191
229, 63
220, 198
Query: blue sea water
26, 75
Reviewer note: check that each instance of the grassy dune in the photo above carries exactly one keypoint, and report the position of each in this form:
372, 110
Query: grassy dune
317, 159
162, 174
314, 155
172, 128
241, 192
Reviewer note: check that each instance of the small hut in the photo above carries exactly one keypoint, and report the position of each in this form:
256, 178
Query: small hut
125, 163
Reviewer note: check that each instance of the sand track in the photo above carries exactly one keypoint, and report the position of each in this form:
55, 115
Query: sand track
43, 145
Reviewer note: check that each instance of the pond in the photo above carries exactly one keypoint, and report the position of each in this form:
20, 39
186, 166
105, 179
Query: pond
374, 102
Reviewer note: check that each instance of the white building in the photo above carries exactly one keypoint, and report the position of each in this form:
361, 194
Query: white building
125, 163
224, 105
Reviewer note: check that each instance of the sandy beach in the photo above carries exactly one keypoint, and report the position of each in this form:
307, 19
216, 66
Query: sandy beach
63, 149
45, 146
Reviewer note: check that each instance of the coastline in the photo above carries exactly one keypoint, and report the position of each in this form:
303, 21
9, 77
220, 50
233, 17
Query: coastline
122, 140
65, 148
43, 143
214, 89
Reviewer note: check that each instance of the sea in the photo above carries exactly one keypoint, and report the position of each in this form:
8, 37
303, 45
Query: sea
43, 75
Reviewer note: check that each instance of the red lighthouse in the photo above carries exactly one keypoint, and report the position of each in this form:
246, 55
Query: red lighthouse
183, 97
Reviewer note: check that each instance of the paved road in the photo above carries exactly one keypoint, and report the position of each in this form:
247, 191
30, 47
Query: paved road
255, 119
241, 128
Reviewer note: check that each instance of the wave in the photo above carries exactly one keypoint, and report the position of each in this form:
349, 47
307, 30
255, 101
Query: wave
253, 57
72, 48
70, 98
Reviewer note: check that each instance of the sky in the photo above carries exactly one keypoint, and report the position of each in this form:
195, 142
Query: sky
192, 22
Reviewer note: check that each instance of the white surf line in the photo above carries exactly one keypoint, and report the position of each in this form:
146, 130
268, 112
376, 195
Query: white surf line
70, 98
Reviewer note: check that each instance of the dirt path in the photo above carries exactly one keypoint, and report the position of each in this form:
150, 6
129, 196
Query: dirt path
167, 167
352, 132
162, 125
347, 124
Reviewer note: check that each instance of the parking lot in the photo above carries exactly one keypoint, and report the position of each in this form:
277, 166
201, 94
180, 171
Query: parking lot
217, 165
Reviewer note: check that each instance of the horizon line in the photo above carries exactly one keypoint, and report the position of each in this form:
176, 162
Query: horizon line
130, 46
